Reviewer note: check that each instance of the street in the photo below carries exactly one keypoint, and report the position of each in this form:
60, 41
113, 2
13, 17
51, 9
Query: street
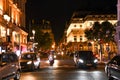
64, 70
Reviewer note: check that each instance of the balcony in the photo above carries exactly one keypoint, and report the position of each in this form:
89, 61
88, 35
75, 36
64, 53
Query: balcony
77, 31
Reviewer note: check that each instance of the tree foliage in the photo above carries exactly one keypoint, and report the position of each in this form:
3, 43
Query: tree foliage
104, 31
44, 40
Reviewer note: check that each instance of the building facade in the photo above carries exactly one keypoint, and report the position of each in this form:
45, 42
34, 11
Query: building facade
12, 26
80, 21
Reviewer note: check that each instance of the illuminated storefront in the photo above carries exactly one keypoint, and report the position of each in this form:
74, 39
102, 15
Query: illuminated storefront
13, 36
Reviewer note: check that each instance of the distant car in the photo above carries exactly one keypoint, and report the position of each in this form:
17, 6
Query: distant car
9, 66
29, 61
112, 68
85, 59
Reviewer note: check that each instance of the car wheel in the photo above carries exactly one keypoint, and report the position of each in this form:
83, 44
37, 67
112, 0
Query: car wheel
38, 66
77, 65
111, 78
109, 75
95, 66
33, 68
17, 75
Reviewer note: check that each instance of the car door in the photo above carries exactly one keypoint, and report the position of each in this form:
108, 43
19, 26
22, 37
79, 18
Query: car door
115, 67
118, 71
1, 67
13, 64
5, 66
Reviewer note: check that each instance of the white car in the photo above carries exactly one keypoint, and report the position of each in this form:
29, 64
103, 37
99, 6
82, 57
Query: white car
29, 61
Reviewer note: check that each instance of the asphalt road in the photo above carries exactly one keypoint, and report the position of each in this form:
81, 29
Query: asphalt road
64, 70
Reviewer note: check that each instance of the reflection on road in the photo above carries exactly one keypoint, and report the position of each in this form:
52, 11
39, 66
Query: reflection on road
64, 70
57, 63
29, 76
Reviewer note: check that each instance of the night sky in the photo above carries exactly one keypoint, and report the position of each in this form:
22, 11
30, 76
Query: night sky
58, 12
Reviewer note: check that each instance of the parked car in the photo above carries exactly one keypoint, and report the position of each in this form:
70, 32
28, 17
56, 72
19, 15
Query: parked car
9, 66
85, 59
112, 68
29, 61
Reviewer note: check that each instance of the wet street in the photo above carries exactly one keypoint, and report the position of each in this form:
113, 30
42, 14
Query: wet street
64, 70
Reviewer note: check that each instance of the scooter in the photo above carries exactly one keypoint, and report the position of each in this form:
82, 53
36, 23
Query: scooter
51, 60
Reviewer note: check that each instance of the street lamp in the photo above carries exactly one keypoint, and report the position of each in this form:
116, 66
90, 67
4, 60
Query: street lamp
33, 31
7, 18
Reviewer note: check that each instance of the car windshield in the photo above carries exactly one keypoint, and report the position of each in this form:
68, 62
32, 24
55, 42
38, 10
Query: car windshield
85, 54
28, 56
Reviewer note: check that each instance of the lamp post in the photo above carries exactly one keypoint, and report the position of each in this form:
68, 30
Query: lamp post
33, 31
7, 18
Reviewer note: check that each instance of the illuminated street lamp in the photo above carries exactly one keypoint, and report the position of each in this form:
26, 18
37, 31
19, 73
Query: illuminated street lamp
7, 18
33, 31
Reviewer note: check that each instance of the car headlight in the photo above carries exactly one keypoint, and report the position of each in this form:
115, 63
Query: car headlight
80, 60
54, 56
29, 62
95, 61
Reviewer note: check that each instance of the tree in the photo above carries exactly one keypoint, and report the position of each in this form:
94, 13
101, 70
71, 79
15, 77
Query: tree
96, 30
38, 36
89, 34
108, 31
93, 33
102, 33
44, 40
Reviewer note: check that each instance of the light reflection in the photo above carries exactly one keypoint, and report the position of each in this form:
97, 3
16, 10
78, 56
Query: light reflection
96, 72
47, 61
56, 63
29, 77
83, 71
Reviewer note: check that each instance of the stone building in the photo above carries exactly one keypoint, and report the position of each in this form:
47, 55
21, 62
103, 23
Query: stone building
75, 36
13, 35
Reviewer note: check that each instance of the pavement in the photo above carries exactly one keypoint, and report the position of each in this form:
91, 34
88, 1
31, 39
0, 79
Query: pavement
46, 62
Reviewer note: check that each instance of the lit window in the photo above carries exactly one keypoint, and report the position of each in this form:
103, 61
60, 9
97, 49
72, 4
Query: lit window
74, 25
91, 24
80, 38
80, 25
75, 38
